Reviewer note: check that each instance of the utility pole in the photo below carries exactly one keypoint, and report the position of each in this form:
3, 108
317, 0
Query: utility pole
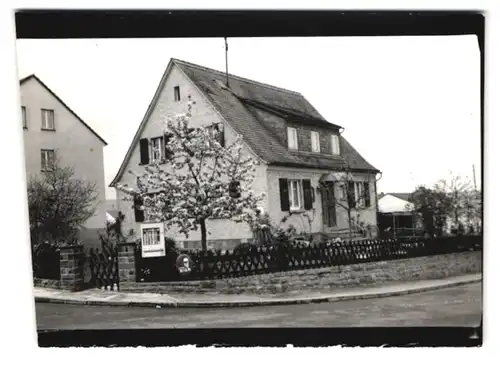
227, 74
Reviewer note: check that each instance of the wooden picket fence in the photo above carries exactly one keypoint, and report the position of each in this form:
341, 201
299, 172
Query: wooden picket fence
255, 260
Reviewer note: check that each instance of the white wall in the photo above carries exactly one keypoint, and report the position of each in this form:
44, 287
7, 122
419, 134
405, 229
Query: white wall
203, 114
74, 144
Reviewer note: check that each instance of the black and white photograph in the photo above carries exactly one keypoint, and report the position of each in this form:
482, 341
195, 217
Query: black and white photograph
225, 181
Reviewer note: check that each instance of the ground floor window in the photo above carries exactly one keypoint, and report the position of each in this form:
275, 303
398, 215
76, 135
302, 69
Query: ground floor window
295, 194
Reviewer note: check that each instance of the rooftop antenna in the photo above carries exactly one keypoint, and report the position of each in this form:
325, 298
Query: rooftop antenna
474, 176
227, 74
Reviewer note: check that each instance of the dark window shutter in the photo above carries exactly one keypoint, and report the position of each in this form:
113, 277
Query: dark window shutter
366, 190
351, 196
168, 151
138, 213
284, 199
144, 147
306, 186
221, 136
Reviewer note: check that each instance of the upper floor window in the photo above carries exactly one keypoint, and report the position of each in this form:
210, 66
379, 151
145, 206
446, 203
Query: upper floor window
48, 157
48, 119
335, 144
177, 93
315, 142
23, 115
156, 149
292, 138
216, 132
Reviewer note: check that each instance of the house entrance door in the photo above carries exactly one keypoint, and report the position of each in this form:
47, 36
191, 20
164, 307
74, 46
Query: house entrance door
328, 203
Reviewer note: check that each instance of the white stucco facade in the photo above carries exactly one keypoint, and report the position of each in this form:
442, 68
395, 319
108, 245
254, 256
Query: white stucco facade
74, 144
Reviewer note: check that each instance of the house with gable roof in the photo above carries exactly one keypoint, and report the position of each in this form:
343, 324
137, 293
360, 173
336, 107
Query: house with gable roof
296, 148
53, 131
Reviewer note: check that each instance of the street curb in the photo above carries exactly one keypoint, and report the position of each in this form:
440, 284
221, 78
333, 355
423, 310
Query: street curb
264, 302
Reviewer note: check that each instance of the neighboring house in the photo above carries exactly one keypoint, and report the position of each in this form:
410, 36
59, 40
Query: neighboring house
53, 131
296, 148
396, 215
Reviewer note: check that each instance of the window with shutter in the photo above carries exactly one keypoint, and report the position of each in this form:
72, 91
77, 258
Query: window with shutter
156, 149
216, 132
295, 194
284, 199
144, 150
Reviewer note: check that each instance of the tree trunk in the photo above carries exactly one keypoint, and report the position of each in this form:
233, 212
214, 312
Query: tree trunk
203, 235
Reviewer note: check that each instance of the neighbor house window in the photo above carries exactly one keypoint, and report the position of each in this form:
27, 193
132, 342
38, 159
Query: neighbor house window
156, 149
23, 115
314, 141
335, 145
295, 194
177, 93
47, 160
292, 138
48, 119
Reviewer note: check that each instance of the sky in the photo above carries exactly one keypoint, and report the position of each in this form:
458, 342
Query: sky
409, 105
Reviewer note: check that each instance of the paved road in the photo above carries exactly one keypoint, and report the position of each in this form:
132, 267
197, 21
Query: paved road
459, 306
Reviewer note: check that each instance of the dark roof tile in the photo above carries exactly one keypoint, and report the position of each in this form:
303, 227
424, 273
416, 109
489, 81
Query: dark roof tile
230, 103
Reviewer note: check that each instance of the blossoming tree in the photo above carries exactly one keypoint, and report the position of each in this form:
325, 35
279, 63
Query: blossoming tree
199, 179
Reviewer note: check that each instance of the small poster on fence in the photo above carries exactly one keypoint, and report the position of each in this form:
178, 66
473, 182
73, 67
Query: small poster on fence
153, 240
184, 264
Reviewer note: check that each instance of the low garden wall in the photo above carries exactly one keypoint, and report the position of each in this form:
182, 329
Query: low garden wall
69, 267
47, 283
354, 275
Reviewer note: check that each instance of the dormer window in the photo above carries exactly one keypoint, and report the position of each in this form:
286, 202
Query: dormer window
292, 138
315, 142
177, 93
335, 147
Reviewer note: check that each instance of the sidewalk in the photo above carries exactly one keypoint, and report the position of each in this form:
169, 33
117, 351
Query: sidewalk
184, 300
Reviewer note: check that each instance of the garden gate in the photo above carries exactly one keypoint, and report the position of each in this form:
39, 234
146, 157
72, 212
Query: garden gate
103, 266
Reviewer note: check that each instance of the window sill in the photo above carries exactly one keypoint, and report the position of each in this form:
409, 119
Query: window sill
48, 130
297, 211
162, 162
316, 154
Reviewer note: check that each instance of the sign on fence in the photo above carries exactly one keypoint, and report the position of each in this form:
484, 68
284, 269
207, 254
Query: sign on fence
153, 240
184, 264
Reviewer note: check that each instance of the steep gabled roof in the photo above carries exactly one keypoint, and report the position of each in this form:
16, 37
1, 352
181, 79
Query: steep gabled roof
233, 105
33, 76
